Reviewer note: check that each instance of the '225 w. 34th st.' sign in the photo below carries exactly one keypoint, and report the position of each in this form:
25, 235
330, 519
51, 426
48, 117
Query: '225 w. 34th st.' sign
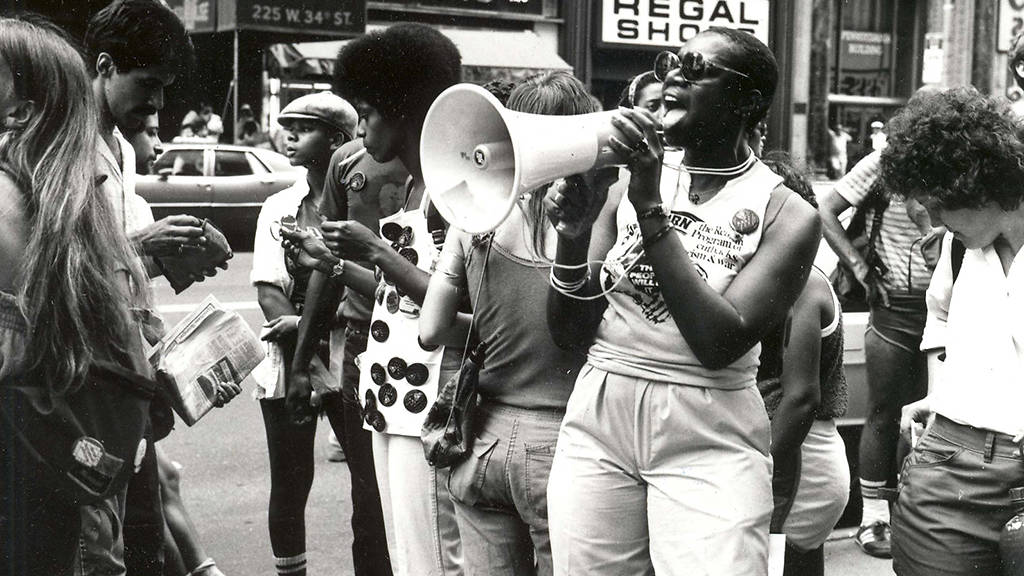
672, 22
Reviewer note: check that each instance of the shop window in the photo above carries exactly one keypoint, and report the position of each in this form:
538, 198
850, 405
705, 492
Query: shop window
863, 64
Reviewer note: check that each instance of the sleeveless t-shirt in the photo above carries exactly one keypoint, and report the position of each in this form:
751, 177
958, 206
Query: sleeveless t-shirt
637, 336
831, 377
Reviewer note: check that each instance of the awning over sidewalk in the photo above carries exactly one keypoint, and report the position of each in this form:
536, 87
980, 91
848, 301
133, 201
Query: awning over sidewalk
486, 55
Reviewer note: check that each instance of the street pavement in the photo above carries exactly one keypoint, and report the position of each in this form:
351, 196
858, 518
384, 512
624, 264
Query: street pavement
226, 482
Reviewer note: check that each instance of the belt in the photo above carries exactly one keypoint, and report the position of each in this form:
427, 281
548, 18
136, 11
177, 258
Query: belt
987, 442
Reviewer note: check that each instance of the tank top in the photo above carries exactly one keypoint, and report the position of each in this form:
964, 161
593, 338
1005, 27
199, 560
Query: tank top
637, 335
831, 376
524, 368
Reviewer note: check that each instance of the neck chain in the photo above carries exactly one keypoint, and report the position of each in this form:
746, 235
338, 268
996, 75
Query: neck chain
730, 171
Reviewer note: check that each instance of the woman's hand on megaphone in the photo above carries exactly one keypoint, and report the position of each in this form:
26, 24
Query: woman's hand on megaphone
350, 240
643, 152
574, 203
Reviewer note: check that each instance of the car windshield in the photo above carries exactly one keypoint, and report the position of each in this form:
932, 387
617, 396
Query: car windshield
276, 162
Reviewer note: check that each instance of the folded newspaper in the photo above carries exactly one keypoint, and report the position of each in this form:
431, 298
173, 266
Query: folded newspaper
210, 346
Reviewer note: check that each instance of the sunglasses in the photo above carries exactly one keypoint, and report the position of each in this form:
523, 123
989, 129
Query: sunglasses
692, 65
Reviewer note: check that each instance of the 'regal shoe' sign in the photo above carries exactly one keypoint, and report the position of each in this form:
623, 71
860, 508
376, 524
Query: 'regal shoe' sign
673, 22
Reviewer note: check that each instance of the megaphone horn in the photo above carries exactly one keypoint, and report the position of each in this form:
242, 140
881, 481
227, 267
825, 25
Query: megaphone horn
478, 157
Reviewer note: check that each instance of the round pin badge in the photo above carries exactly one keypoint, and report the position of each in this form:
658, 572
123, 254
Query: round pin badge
357, 182
415, 401
745, 221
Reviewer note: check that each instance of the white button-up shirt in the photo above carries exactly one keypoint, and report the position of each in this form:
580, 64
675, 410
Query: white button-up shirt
980, 322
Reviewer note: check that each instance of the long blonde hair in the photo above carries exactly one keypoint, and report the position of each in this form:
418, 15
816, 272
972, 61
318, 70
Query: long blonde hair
557, 93
69, 291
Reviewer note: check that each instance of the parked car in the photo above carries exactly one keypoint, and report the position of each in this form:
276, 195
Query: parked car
226, 184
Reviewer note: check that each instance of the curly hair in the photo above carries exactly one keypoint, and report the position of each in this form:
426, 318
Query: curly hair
139, 34
500, 89
399, 71
796, 180
960, 148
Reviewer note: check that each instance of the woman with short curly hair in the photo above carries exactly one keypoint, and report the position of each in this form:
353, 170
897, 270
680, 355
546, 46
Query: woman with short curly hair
960, 154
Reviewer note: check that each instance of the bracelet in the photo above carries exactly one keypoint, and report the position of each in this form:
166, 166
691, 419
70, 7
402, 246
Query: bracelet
658, 210
661, 233
203, 567
573, 286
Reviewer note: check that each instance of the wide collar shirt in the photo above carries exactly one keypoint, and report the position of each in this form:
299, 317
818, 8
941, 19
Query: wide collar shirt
979, 320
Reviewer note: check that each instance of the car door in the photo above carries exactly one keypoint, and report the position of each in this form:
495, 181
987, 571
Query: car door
181, 184
242, 184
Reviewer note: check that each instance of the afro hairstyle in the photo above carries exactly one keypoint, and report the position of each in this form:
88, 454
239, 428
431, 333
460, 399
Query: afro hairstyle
398, 71
959, 148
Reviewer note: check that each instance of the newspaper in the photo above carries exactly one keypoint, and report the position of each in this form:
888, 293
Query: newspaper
211, 345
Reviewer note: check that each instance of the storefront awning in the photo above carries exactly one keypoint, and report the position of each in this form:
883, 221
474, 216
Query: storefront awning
486, 55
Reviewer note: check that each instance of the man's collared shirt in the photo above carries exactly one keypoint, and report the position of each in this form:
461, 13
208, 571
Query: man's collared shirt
979, 320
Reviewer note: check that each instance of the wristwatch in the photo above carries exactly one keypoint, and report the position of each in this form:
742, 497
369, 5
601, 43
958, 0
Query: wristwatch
333, 272
337, 270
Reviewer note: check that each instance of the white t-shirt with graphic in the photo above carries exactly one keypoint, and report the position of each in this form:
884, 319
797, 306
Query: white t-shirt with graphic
637, 336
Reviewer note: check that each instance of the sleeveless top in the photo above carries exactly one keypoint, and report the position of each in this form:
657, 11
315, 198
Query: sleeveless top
524, 368
831, 378
637, 336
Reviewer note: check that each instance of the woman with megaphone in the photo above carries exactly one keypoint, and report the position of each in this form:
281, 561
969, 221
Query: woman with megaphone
663, 457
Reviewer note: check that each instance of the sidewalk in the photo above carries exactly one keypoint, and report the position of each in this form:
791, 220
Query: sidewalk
843, 558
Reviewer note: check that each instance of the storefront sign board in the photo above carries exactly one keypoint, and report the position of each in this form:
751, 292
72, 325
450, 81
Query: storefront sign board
670, 23
322, 17
1011, 22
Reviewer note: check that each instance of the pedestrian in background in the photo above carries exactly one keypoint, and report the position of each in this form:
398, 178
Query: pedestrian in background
895, 274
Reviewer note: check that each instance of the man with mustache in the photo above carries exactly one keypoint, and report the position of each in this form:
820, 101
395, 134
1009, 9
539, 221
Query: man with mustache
134, 49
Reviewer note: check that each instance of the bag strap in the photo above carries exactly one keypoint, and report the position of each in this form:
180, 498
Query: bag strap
956, 257
472, 321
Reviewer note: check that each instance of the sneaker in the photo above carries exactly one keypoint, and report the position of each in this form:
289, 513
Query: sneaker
875, 539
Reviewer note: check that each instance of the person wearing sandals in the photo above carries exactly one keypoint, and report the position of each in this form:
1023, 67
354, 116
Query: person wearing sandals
67, 270
500, 488
663, 458
392, 76
803, 384
895, 281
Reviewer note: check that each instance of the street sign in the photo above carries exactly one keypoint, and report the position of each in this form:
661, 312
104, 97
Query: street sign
1011, 22
670, 23
327, 17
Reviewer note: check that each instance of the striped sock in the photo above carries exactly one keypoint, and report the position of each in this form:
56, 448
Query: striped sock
875, 508
291, 566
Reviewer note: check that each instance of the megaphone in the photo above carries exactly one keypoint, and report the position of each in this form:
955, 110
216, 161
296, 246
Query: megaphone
478, 157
